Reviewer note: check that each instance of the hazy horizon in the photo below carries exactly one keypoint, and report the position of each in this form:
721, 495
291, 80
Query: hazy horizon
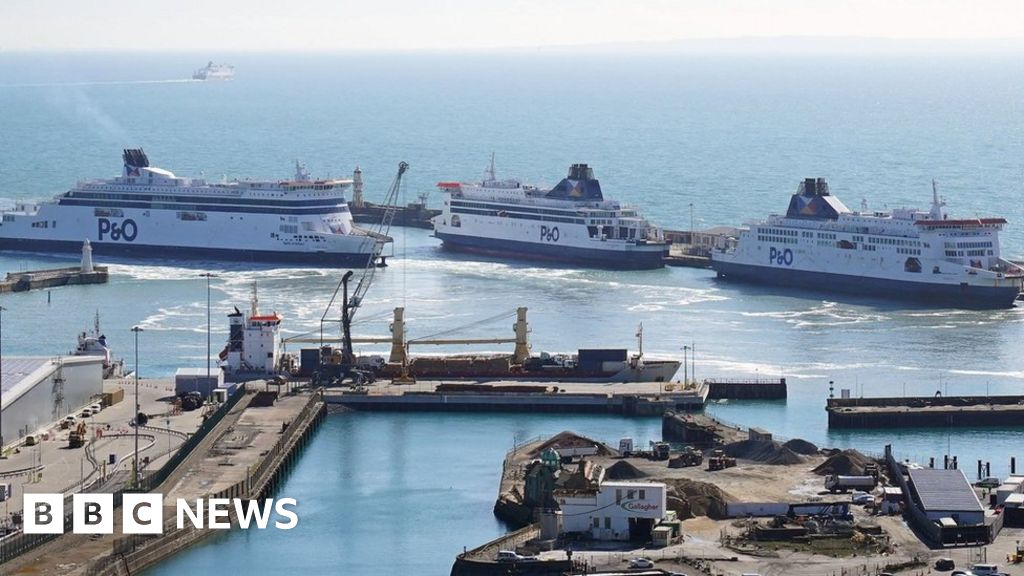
470, 26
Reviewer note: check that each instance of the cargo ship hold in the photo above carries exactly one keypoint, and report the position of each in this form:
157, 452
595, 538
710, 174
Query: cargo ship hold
414, 214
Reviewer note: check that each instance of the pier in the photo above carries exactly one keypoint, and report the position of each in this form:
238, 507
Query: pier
86, 273
926, 412
746, 389
626, 398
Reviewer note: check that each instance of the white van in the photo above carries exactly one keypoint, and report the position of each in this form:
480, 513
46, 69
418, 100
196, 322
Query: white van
985, 569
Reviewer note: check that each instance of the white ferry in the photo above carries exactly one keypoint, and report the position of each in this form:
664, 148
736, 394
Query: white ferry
149, 212
214, 72
571, 222
904, 253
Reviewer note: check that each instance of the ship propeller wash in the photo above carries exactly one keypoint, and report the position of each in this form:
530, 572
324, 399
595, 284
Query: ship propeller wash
905, 253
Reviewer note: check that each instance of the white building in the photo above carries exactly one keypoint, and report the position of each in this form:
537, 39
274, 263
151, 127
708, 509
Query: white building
35, 392
615, 511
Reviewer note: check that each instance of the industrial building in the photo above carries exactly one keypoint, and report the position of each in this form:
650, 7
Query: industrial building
946, 494
614, 510
35, 392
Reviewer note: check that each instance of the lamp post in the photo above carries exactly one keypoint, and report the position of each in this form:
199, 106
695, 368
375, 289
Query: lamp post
135, 461
693, 241
2, 309
208, 275
686, 366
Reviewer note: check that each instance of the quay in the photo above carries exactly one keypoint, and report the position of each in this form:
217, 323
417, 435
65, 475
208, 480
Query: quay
925, 412
37, 279
242, 449
52, 278
626, 398
746, 389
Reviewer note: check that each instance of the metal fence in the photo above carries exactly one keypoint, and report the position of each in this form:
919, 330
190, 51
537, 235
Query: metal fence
17, 544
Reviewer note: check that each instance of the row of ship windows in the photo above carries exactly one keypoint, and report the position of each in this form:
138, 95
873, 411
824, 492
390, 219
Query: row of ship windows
961, 253
101, 204
526, 209
968, 245
202, 200
504, 214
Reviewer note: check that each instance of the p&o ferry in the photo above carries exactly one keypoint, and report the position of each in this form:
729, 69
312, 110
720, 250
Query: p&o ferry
903, 253
151, 213
571, 222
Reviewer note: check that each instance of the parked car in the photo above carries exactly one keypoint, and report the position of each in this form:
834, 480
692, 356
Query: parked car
509, 556
641, 562
944, 564
96, 408
862, 498
985, 569
961, 573
990, 482
86, 413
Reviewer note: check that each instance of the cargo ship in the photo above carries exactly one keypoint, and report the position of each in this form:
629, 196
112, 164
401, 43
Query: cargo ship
905, 253
414, 214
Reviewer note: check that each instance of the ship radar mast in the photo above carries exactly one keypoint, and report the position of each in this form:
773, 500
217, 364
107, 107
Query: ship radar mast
938, 211
255, 301
489, 172
301, 174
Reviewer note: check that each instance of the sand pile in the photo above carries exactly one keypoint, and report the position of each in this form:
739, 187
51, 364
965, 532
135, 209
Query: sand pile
569, 439
845, 463
801, 446
763, 451
623, 470
690, 498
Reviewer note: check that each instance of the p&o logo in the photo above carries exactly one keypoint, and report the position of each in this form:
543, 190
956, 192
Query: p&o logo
780, 257
126, 230
549, 234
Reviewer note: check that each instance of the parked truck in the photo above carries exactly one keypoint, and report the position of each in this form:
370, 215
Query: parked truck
76, 439
839, 483
719, 461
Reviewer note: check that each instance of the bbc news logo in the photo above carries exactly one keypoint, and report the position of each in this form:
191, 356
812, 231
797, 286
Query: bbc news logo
144, 513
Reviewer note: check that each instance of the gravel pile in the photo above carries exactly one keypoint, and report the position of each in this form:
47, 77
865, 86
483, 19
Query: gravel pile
845, 463
763, 451
623, 470
690, 498
801, 446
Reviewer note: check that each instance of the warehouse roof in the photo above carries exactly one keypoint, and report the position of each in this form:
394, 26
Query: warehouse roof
19, 375
944, 490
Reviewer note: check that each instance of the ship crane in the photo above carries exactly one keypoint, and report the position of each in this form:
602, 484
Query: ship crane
350, 304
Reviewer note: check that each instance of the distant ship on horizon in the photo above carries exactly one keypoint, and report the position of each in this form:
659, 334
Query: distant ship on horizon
905, 253
214, 72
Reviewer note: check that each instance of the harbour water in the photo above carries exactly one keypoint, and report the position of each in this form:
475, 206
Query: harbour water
731, 134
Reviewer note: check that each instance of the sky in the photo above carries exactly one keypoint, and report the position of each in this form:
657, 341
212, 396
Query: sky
402, 25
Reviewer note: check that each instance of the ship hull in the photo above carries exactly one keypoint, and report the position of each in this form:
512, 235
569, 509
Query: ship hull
150, 252
959, 295
645, 257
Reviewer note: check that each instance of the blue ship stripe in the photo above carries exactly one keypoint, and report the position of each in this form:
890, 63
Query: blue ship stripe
645, 258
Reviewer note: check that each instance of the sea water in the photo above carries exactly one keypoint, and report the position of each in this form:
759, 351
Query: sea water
731, 135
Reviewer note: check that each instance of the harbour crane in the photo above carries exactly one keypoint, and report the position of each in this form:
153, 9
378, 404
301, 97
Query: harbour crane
331, 368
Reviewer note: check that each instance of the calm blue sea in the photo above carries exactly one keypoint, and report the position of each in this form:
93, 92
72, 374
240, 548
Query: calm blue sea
733, 135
